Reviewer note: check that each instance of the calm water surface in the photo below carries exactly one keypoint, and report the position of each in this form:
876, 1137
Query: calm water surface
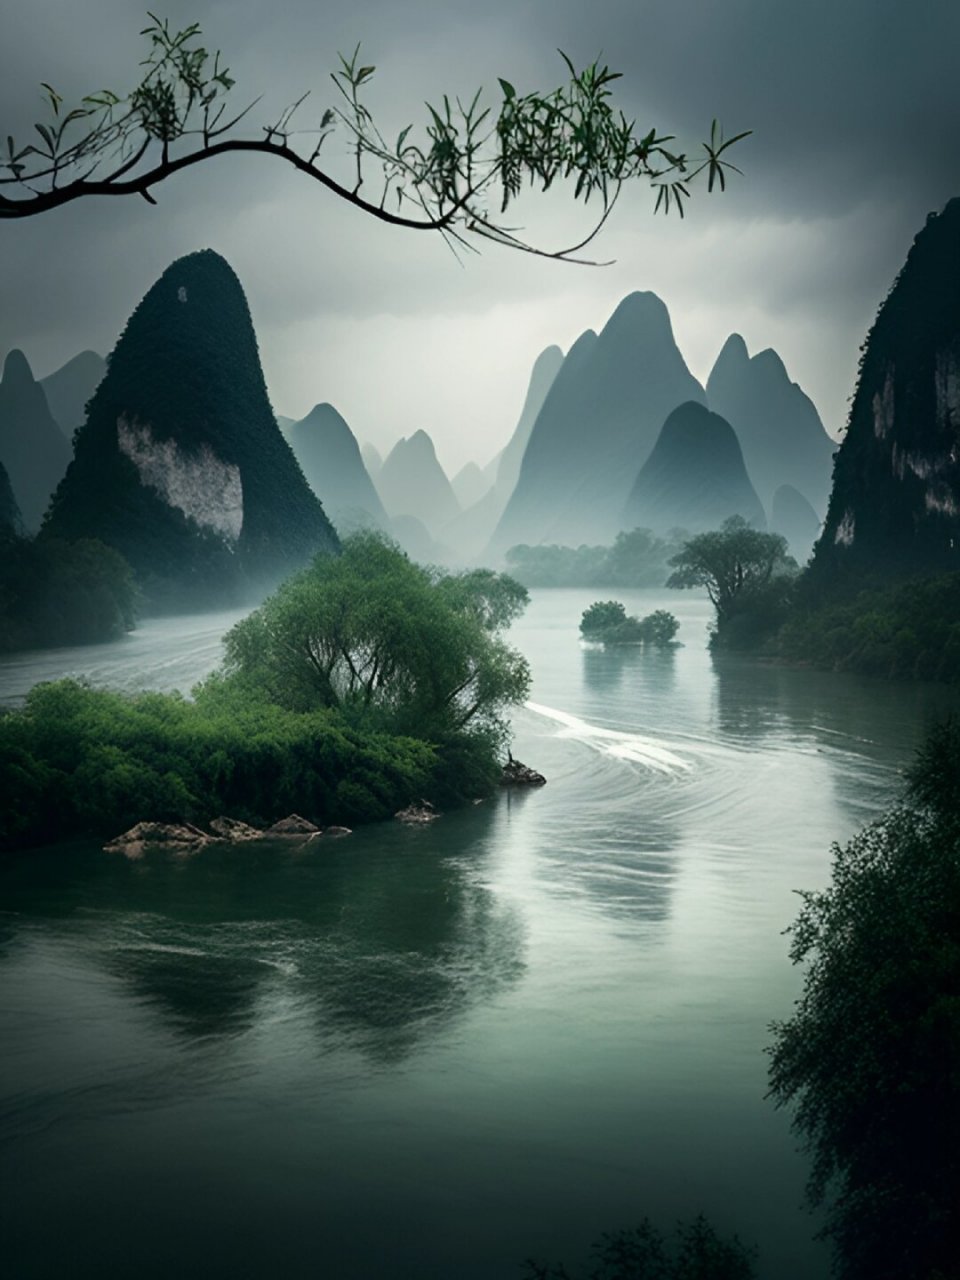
429, 1054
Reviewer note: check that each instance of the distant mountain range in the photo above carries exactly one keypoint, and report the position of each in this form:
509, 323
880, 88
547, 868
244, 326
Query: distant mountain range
598, 423
70, 387
331, 462
412, 483
780, 432
33, 449
180, 464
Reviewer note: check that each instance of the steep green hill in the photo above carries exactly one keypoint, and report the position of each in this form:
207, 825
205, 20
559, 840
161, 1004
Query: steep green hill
180, 465
895, 506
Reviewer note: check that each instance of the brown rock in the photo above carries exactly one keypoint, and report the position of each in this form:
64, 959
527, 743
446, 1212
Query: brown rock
337, 831
417, 814
179, 836
235, 830
294, 826
515, 774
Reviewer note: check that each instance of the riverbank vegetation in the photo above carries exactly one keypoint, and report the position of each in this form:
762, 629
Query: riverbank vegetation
56, 593
748, 575
636, 559
363, 684
869, 1058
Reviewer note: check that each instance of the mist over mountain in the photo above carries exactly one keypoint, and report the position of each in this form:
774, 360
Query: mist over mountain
895, 505
777, 424
469, 484
181, 465
33, 449
694, 478
792, 515
412, 482
70, 387
330, 459
598, 423
371, 460
470, 532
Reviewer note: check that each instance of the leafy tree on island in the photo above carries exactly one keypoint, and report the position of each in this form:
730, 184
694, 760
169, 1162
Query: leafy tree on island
747, 574
608, 622
387, 643
468, 160
871, 1056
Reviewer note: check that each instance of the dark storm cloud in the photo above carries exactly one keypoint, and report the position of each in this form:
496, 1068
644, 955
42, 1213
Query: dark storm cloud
853, 104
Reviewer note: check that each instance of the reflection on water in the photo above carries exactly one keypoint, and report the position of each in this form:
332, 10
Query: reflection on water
497, 1036
381, 948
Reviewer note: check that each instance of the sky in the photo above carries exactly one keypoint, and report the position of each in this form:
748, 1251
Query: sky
856, 137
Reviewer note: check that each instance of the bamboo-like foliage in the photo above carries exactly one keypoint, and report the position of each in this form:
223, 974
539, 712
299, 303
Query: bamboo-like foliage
457, 175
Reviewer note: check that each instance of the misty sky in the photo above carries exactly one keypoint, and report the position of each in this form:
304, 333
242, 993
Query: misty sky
856, 120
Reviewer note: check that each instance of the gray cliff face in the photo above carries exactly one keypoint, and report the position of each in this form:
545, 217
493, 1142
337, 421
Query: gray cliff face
598, 423
33, 449
895, 505
413, 483
779, 429
694, 478
332, 464
69, 389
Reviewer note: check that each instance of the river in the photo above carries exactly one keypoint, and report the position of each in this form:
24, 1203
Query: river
429, 1054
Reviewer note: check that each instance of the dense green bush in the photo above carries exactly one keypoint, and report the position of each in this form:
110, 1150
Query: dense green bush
608, 622
869, 1059
77, 760
907, 631
386, 642
62, 593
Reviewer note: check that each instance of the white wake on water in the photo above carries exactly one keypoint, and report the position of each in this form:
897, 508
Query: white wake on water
613, 742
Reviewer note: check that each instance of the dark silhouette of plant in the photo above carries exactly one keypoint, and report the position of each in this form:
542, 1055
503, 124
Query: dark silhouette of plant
466, 161
871, 1055
642, 1253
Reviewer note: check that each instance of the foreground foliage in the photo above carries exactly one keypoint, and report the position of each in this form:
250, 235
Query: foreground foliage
698, 1253
871, 1057
83, 761
63, 593
748, 576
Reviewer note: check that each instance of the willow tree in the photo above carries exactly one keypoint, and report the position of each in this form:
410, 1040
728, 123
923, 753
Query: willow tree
456, 175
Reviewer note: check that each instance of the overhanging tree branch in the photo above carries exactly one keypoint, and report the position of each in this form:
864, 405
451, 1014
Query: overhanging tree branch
465, 161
